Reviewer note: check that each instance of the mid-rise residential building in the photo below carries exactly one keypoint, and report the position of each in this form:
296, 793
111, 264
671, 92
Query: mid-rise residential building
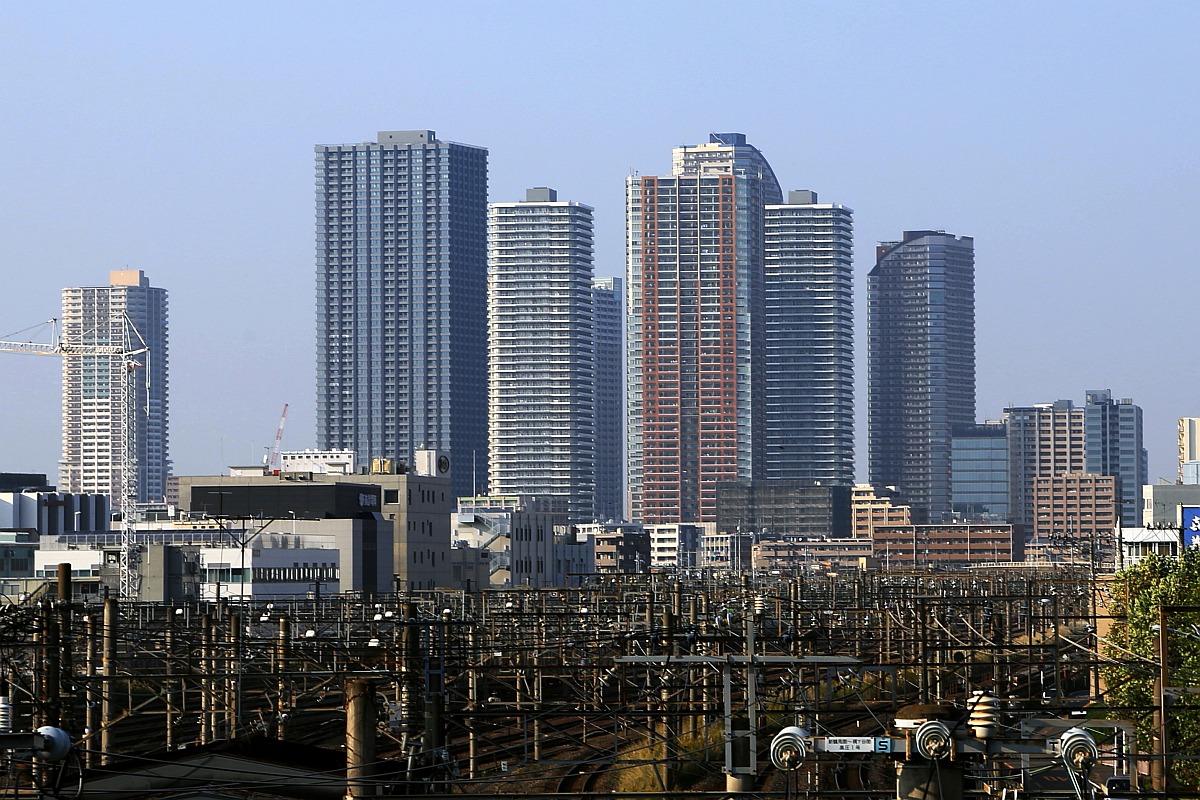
871, 507
620, 547
401, 290
921, 363
809, 341
677, 545
608, 319
1103, 437
694, 255
529, 539
946, 545
541, 354
1075, 515
97, 406
812, 554
979, 472
1044, 440
1113, 438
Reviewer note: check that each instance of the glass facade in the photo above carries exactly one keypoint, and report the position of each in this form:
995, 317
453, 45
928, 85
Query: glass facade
1113, 436
921, 364
979, 472
608, 297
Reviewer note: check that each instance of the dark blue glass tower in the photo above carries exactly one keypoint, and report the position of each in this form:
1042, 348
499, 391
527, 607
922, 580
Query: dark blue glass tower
920, 364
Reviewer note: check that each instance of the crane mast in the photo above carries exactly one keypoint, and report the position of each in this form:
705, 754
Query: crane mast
123, 364
273, 459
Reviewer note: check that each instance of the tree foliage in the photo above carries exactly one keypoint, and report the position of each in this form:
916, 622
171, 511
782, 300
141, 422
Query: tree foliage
1132, 655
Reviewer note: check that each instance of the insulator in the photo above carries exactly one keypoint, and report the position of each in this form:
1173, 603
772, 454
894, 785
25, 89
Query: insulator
5, 715
1078, 750
934, 740
788, 749
984, 718
56, 743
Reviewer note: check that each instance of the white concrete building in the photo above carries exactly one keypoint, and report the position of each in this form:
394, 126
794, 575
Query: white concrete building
541, 358
93, 444
321, 462
676, 544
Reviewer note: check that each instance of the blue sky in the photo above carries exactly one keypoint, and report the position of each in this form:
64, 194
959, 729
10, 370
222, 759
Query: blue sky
177, 138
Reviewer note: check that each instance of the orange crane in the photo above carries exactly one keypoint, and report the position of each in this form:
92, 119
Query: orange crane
120, 357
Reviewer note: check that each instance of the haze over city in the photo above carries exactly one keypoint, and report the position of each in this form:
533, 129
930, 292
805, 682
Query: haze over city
179, 141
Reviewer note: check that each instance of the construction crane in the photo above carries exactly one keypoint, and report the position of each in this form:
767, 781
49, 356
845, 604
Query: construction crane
272, 461
122, 362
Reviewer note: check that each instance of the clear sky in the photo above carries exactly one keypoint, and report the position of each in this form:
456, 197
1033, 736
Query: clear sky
177, 139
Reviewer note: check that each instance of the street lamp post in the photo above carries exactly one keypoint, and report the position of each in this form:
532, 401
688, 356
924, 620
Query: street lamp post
1164, 749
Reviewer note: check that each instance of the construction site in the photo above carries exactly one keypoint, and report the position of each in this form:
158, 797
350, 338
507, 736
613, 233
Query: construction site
871, 685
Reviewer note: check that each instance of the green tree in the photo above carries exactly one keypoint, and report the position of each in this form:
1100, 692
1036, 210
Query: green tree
1131, 652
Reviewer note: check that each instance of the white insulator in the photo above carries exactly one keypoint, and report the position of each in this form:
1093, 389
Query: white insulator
56, 743
788, 749
1078, 750
5, 715
984, 718
934, 740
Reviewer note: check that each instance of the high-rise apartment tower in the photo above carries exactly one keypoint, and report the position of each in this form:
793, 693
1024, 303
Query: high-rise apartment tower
541, 358
93, 388
401, 290
921, 363
809, 341
694, 255
608, 315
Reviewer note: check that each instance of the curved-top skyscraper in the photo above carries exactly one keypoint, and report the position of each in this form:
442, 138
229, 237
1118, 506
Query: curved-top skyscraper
921, 363
694, 255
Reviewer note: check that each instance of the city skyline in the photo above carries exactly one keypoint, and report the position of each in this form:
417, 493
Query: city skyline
206, 129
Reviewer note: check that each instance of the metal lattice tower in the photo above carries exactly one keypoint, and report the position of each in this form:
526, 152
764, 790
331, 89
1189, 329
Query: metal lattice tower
123, 363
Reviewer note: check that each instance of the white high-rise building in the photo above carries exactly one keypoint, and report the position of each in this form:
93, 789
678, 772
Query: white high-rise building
541, 363
93, 447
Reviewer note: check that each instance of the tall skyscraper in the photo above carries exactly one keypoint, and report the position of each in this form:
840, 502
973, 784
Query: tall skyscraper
809, 351
401, 290
921, 363
694, 255
93, 388
1113, 435
608, 314
541, 362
